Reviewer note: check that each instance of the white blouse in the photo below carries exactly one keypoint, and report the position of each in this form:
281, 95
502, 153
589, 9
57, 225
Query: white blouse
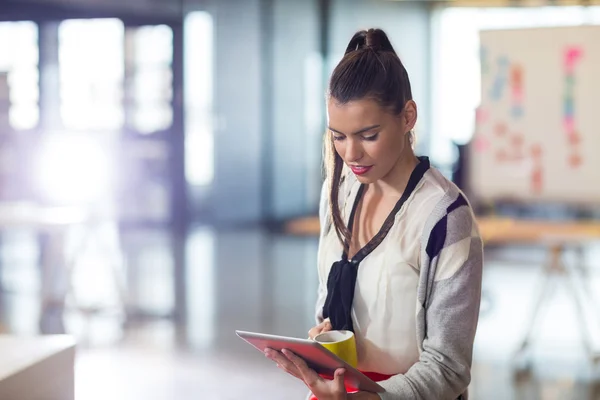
385, 305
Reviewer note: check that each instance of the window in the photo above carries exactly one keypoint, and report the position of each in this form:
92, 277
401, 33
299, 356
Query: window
199, 98
149, 56
91, 74
19, 76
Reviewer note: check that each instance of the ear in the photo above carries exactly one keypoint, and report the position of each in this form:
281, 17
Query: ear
410, 115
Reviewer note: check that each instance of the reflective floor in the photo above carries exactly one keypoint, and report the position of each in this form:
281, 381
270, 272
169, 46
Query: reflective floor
170, 334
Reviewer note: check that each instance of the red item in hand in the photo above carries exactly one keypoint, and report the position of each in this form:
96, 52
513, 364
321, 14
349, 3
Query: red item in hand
373, 375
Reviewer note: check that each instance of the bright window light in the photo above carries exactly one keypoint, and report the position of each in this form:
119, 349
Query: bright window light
74, 168
91, 74
19, 71
199, 146
150, 58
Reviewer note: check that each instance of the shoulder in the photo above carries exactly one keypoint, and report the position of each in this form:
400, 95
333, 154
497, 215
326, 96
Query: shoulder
432, 188
451, 218
432, 191
449, 199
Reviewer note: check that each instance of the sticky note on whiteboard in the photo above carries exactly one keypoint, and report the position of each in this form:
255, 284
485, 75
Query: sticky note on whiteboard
482, 144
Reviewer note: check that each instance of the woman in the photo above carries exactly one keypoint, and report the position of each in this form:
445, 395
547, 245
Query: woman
400, 256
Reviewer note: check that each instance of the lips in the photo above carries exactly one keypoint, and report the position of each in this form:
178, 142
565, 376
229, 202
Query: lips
360, 169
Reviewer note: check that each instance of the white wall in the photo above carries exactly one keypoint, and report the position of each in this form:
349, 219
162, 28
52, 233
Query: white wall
298, 103
238, 97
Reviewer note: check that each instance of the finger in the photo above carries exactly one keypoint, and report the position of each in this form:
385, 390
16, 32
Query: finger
322, 327
315, 330
309, 376
338, 380
283, 362
292, 373
279, 359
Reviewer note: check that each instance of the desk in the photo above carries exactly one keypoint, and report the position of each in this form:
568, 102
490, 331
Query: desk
495, 230
37, 368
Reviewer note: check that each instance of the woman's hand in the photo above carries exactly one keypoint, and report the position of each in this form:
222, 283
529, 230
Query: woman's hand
323, 389
322, 327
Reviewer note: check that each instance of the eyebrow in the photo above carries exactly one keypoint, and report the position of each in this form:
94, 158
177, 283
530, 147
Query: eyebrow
357, 132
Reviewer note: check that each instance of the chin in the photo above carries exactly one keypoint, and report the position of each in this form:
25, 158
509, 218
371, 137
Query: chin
366, 179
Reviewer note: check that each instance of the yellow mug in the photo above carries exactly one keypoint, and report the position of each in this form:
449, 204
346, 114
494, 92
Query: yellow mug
340, 343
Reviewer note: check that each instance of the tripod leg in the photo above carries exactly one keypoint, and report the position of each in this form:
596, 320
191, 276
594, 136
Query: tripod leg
582, 272
521, 359
580, 277
581, 319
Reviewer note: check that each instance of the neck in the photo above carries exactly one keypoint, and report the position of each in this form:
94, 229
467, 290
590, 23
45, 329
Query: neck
394, 183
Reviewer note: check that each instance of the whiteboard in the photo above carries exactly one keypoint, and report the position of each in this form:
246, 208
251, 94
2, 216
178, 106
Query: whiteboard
537, 136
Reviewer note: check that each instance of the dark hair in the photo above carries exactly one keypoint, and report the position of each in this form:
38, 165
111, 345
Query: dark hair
370, 69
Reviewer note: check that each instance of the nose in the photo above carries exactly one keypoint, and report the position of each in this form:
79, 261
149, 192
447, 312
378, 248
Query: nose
353, 151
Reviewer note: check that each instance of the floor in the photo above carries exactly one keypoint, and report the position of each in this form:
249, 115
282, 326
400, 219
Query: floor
216, 282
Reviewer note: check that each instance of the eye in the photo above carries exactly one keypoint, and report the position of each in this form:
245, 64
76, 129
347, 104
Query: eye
372, 137
337, 137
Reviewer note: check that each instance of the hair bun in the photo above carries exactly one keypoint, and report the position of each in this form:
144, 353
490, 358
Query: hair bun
374, 39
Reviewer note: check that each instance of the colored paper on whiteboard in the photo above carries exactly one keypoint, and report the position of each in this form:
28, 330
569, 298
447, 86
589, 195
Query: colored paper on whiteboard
481, 144
575, 160
516, 111
568, 106
516, 77
517, 95
574, 138
569, 124
537, 179
536, 151
500, 129
570, 82
572, 55
517, 140
483, 56
501, 78
498, 88
501, 156
481, 115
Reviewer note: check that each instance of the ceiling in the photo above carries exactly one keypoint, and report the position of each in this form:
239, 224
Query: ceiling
508, 3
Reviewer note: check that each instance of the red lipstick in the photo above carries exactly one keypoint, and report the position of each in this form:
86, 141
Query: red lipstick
360, 169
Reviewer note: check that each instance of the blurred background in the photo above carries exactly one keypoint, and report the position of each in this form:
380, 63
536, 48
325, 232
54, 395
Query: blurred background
160, 171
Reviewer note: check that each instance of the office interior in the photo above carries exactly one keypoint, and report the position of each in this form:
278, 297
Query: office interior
160, 174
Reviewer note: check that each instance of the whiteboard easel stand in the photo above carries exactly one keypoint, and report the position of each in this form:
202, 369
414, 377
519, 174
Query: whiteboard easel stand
553, 270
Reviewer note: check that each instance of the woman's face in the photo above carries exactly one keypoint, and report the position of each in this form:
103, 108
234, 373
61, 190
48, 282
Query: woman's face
370, 140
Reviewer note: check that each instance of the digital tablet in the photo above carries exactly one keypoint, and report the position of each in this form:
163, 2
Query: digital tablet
316, 356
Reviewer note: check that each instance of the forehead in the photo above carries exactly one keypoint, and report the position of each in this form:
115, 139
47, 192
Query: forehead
354, 114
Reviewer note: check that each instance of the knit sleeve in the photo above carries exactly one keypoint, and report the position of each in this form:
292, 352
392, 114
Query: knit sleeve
450, 292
